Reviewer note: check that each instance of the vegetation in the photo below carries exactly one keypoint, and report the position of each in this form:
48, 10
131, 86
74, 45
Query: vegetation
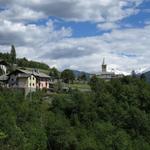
54, 73
83, 77
80, 86
68, 76
115, 115
21, 62
13, 54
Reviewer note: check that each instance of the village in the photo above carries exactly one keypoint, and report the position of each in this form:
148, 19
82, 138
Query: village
31, 80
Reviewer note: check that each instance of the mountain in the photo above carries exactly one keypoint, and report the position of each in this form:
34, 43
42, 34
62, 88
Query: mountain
147, 75
79, 73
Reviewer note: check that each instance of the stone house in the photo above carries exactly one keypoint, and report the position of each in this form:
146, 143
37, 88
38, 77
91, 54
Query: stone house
28, 80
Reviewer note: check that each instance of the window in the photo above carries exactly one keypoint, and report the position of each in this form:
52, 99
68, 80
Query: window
33, 78
33, 84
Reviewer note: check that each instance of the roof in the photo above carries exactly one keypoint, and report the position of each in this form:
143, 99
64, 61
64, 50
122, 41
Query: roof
27, 72
41, 74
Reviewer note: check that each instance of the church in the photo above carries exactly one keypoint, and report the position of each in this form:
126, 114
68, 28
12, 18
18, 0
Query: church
107, 76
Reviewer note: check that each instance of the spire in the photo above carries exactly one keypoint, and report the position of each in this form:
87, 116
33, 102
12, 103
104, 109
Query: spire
103, 61
104, 66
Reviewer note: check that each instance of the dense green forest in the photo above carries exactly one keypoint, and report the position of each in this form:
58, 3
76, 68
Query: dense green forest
115, 115
23, 62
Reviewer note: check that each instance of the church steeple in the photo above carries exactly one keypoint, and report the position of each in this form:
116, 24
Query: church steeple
104, 66
103, 61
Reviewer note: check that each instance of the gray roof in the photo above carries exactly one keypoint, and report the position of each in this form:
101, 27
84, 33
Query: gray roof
36, 74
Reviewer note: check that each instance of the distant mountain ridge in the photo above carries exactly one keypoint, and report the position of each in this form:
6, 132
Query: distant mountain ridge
79, 73
147, 75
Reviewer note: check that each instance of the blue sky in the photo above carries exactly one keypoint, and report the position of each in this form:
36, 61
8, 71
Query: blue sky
88, 28
77, 34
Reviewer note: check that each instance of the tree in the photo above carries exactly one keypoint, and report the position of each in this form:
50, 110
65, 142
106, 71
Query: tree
67, 76
54, 73
83, 77
13, 54
143, 77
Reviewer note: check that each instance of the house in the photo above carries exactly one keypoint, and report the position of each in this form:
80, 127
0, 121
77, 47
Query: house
28, 80
42, 80
22, 79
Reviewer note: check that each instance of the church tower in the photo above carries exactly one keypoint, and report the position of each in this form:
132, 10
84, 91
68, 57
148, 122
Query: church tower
104, 66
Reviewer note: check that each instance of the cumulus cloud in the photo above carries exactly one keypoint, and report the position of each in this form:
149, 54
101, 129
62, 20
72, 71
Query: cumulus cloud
17, 13
31, 34
124, 49
76, 10
87, 53
107, 26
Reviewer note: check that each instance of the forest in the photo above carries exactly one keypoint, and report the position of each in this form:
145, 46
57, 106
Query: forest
11, 58
115, 115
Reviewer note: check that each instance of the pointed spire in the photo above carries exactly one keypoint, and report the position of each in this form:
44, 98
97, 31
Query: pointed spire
103, 61
104, 66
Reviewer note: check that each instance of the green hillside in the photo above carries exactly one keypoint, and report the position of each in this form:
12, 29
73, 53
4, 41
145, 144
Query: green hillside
23, 62
113, 116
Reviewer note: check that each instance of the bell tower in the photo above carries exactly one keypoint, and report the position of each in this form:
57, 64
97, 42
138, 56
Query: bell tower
104, 66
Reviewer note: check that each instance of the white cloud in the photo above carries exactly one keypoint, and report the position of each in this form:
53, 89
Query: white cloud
107, 26
76, 10
124, 49
30, 34
17, 13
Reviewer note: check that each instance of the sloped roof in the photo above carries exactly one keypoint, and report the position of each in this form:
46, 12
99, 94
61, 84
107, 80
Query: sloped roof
36, 74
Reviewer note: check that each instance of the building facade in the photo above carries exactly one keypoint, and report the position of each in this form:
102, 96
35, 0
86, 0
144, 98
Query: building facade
29, 80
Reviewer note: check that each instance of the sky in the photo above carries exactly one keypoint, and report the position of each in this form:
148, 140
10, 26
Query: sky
78, 34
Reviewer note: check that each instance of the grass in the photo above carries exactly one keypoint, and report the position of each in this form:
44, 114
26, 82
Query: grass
80, 86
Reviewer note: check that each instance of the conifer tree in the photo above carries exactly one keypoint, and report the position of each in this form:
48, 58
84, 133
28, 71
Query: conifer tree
13, 54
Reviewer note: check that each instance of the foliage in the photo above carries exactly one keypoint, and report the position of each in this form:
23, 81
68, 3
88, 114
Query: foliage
21, 62
83, 77
20, 123
115, 115
54, 73
67, 76
13, 54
